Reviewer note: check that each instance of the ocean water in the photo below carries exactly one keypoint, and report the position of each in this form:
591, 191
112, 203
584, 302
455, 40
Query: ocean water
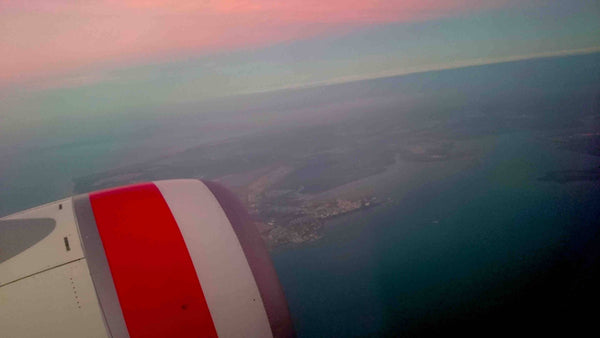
473, 246
487, 250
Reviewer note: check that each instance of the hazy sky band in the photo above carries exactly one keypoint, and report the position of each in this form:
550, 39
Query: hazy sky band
49, 71
41, 38
50, 37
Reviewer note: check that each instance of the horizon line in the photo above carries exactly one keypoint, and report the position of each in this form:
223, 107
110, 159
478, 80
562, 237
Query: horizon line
346, 79
433, 68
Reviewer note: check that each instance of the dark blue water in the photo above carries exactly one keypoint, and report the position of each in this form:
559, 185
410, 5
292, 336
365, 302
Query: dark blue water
466, 249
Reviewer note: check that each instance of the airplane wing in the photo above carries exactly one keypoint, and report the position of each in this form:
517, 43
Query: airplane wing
176, 258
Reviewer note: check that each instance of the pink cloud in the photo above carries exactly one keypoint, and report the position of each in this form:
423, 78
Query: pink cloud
45, 37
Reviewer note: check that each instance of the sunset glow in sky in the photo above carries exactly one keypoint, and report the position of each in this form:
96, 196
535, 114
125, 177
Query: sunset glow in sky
47, 37
239, 46
50, 36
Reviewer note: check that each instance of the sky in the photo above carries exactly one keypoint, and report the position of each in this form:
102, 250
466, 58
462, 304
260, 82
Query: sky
66, 59
81, 80
52, 36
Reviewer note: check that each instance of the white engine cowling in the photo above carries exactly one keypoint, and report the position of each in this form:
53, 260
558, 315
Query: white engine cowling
176, 258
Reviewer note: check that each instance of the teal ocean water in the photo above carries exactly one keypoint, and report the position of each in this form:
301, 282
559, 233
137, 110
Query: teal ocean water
489, 248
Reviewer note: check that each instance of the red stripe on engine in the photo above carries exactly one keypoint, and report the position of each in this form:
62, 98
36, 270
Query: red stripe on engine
154, 276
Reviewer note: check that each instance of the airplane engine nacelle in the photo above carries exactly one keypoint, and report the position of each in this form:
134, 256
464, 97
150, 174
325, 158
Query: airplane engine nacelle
175, 258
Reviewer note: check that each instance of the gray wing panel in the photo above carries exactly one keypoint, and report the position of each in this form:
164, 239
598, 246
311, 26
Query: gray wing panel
99, 268
17, 235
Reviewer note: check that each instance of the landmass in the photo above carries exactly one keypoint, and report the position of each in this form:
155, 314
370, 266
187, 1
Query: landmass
293, 180
285, 216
